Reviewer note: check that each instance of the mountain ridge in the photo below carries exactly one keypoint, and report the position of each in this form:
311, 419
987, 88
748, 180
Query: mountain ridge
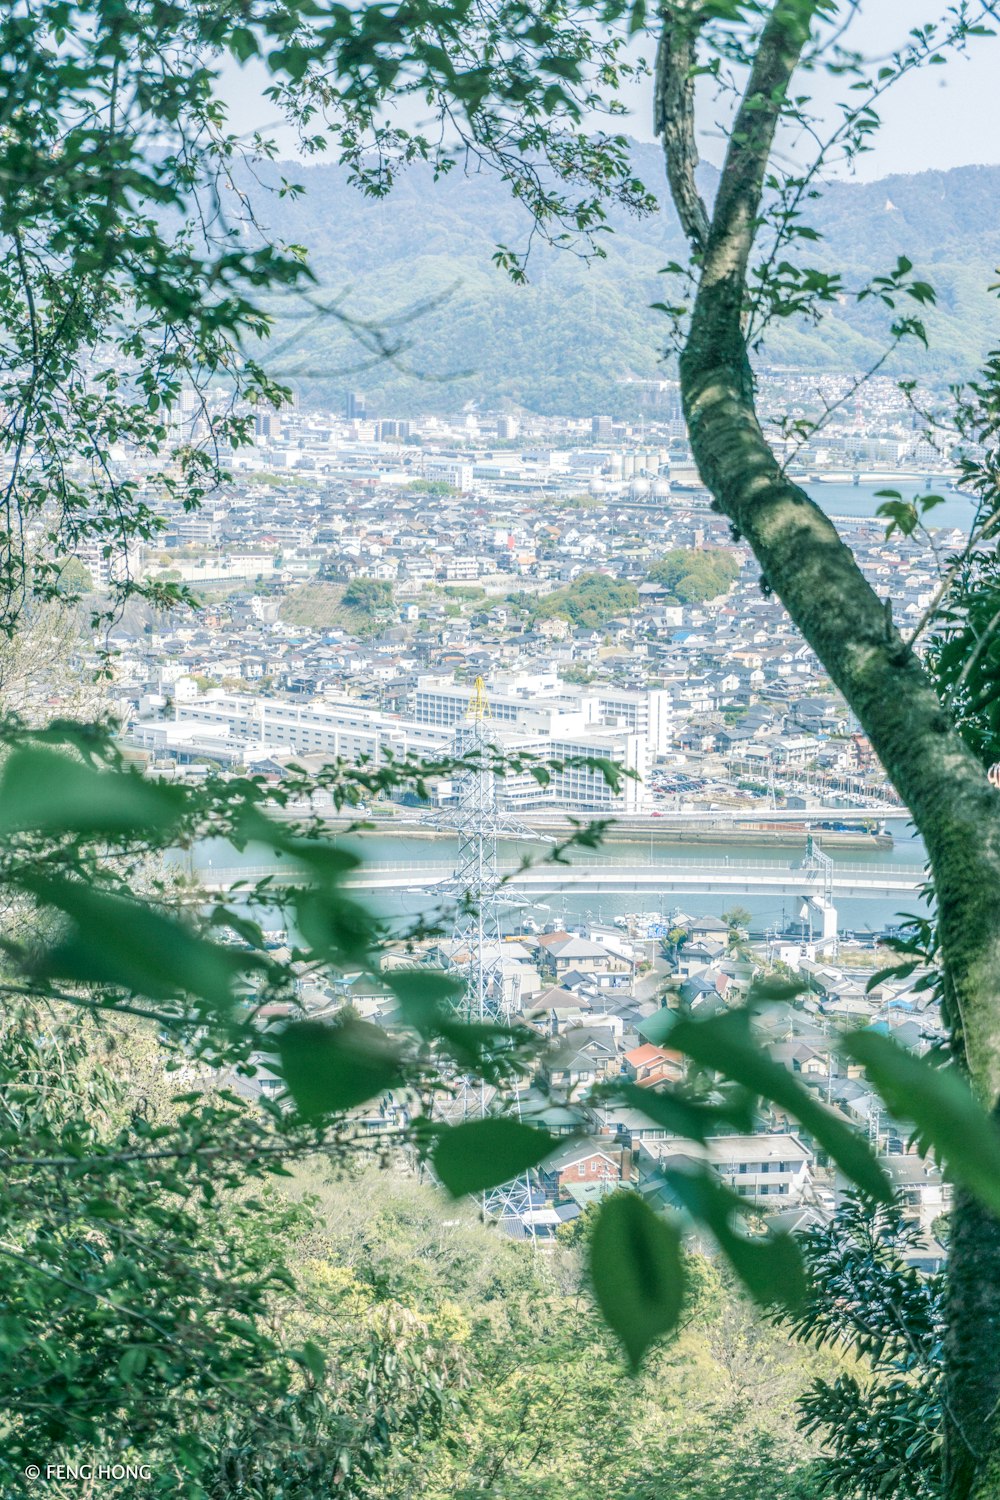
419, 263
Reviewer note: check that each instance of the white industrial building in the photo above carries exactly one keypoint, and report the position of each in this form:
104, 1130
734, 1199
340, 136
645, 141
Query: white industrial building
235, 728
539, 702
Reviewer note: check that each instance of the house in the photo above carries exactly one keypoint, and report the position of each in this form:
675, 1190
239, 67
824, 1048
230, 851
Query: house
924, 1192
649, 1065
586, 1169
630, 1125
758, 1167
584, 1056
712, 928
696, 956
561, 952
556, 1008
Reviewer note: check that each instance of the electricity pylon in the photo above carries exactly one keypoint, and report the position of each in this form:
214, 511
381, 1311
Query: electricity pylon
489, 995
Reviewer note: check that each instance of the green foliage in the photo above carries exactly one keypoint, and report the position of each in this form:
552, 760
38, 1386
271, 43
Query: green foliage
543, 1410
147, 1274
439, 487
360, 607
693, 575
881, 1426
470, 1158
333, 1067
590, 601
737, 918
939, 1102
368, 596
110, 304
726, 1044
576, 673
637, 1272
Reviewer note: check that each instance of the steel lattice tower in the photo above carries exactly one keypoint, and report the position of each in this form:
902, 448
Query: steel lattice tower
476, 886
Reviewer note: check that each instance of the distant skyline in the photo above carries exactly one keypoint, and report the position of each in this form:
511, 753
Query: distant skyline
937, 118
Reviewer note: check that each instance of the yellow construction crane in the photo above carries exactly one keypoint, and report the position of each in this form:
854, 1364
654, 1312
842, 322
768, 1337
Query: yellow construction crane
479, 704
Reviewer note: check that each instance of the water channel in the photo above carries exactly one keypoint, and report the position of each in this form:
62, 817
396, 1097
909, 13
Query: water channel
842, 498
395, 848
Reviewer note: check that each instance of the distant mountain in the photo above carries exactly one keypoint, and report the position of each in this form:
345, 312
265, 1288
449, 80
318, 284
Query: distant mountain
419, 262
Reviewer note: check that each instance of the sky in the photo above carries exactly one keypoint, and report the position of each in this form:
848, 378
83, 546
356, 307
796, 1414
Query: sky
938, 117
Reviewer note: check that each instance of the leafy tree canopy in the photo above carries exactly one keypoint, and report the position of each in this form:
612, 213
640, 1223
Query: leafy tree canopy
590, 601
694, 574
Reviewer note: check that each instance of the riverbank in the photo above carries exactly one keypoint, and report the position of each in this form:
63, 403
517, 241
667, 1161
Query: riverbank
661, 831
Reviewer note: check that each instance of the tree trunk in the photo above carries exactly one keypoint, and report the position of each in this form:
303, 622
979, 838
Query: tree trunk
805, 563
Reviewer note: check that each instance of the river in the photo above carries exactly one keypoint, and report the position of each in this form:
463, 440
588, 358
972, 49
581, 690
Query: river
860, 914
862, 500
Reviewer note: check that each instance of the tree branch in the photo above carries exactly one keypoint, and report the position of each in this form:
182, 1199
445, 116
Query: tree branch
673, 120
815, 575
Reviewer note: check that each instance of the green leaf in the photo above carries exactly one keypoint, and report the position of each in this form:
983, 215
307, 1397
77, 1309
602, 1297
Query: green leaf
941, 1105
335, 926
424, 995
769, 1266
332, 1067
637, 17
485, 1153
132, 1362
322, 858
726, 1044
313, 1360
776, 987
47, 792
115, 940
684, 1116
637, 1272
899, 514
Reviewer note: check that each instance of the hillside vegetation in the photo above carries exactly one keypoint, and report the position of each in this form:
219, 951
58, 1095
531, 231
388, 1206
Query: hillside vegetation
694, 574
359, 607
589, 602
539, 1402
564, 342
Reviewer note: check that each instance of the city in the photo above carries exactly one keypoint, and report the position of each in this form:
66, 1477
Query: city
359, 575
499, 750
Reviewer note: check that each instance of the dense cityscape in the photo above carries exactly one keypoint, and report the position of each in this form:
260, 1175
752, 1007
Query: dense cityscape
358, 575
499, 750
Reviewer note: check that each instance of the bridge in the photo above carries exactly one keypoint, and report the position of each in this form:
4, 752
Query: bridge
736, 877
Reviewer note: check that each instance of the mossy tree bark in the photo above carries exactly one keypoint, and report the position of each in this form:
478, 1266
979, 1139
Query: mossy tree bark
807, 565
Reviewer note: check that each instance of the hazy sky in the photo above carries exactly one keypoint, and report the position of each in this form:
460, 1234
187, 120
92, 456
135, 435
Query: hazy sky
938, 117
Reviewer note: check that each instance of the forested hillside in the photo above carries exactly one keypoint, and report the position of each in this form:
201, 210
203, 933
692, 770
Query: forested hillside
420, 262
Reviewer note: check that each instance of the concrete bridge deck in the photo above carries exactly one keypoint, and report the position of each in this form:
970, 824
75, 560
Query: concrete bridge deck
608, 876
